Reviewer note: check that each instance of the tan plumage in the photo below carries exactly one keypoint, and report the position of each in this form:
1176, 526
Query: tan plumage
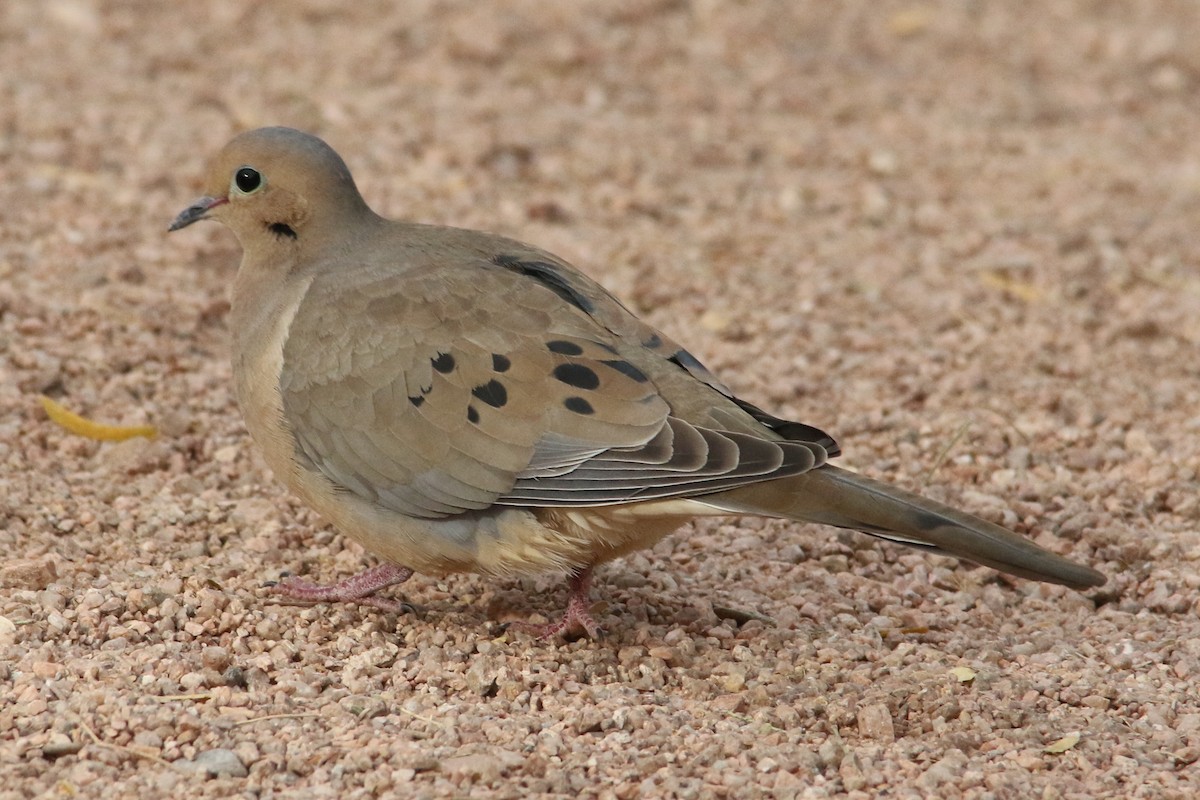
456, 401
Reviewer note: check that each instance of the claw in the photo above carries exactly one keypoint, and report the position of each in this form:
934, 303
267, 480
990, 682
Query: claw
360, 589
577, 616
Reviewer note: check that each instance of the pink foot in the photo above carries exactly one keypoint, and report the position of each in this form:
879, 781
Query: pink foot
577, 614
360, 588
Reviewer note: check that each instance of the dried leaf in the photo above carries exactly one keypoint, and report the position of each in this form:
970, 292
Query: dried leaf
1064, 744
911, 21
1022, 290
963, 674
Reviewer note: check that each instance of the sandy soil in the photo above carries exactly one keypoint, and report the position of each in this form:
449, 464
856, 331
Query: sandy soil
960, 236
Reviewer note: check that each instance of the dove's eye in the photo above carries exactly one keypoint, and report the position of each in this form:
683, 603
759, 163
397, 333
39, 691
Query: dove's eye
247, 180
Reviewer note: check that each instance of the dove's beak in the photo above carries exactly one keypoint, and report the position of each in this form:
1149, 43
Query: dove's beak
196, 212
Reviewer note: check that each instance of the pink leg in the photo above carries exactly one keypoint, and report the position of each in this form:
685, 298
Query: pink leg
360, 588
577, 614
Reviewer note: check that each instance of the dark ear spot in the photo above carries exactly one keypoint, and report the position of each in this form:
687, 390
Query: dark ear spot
282, 230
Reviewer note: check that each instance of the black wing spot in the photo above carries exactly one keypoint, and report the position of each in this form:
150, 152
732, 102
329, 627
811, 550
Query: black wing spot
626, 369
444, 363
500, 363
794, 431
472, 415
493, 393
549, 276
928, 521
654, 341
564, 348
577, 375
688, 361
416, 401
281, 230
578, 405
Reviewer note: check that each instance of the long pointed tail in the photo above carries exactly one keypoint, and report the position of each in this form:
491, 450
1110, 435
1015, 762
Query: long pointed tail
833, 496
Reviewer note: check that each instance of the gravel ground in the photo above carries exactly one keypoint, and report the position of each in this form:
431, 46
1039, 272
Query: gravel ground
960, 236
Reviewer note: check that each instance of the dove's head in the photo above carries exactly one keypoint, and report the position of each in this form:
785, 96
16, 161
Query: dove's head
278, 187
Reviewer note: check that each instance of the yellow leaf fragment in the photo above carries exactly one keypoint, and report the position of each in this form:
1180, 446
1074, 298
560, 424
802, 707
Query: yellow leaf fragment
963, 674
85, 427
1022, 290
910, 21
1064, 744
715, 321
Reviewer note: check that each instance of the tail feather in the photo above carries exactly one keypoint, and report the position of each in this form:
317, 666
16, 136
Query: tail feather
833, 496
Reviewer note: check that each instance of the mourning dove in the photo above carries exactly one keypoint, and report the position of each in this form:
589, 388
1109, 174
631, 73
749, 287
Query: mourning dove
458, 401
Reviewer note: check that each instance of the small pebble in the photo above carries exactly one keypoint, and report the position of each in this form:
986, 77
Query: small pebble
215, 763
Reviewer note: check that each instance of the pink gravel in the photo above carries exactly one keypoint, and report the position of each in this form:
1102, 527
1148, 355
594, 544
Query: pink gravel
961, 237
